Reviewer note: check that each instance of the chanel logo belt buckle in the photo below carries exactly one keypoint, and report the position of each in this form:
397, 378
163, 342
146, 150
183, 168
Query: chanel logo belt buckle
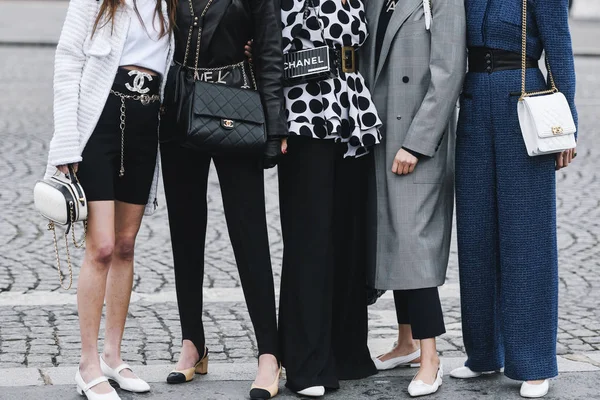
557, 130
139, 81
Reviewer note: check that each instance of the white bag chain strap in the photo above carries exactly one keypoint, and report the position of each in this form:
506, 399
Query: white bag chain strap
524, 93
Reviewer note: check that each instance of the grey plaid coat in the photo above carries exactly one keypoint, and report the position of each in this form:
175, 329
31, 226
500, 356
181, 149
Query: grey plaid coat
415, 88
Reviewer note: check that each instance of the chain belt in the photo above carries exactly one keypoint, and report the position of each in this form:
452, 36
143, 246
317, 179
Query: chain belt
145, 99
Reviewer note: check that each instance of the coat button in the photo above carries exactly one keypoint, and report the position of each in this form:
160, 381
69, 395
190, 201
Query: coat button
488, 56
489, 69
405, 79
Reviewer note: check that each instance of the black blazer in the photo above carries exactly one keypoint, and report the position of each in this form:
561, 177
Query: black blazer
226, 28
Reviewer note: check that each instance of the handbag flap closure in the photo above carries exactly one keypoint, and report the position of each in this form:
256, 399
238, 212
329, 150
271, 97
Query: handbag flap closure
551, 115
228, 103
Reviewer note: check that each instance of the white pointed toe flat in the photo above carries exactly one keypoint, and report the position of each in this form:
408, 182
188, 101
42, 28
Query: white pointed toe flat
313, 391
85, 389
530, 391
135, 385
403, 361
468, 373
420, 388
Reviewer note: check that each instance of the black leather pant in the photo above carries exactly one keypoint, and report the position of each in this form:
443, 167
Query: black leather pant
185, 174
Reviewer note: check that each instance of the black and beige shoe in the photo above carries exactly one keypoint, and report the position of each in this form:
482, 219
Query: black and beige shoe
264, 393
187, 375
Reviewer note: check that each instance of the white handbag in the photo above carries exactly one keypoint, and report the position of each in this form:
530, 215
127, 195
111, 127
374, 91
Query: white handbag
545, 117
61, 200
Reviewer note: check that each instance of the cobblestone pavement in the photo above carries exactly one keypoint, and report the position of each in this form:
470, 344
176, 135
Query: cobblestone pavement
41, 335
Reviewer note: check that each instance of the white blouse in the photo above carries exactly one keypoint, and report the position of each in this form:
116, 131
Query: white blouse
144, 46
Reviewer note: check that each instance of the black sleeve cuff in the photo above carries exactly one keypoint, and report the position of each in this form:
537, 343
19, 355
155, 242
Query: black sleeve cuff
414, 153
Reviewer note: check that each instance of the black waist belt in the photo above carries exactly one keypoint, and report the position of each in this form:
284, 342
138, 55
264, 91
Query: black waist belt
483, 59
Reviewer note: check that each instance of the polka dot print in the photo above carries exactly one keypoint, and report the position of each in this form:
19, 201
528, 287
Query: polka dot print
338, 108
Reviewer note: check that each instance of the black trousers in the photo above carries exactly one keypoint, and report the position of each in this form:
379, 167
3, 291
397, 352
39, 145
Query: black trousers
422, 310
323, 310
185, 174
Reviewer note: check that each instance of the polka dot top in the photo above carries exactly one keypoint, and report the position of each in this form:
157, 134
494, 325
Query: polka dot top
338, 108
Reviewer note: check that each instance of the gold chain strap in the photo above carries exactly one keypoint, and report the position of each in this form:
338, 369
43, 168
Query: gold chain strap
192, 25
524, 93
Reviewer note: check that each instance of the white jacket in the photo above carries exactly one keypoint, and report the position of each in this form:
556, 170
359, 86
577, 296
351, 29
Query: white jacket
84, 71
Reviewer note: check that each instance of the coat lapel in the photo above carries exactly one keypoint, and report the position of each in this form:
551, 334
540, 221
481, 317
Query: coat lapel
407, 7
373, 11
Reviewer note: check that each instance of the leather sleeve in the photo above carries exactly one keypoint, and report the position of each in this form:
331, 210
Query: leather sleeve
268, 62
552, 17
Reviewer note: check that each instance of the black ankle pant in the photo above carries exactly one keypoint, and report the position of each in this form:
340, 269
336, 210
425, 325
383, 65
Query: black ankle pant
421, 308
185, 174
323, 303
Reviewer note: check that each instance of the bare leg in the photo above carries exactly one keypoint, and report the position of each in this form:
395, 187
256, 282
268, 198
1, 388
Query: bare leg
92, 283
267, 370
128, 218
405, 345
189, 355
430, 361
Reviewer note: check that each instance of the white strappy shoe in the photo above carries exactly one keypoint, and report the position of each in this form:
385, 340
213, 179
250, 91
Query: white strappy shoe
135, 385
313, 391
84, 389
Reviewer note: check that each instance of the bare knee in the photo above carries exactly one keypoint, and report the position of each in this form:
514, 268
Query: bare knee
102, 254
124, 248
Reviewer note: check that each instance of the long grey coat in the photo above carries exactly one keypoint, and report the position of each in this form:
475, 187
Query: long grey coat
415, 88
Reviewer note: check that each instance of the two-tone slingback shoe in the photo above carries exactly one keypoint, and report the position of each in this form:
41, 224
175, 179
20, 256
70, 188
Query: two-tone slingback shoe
187, 375
265, 393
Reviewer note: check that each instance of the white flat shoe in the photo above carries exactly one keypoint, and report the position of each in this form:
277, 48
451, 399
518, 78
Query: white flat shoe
535, 391
84, 389
313, 391
420, 388
135, 385
403, 361
468, 373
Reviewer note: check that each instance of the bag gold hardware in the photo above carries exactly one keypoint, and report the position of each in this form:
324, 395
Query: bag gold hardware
227, 123
51, 227
557, 130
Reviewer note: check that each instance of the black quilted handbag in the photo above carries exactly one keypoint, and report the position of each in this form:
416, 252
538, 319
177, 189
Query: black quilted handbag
225, 119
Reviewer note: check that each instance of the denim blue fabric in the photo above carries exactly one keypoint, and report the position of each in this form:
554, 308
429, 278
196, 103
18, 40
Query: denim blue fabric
506, 200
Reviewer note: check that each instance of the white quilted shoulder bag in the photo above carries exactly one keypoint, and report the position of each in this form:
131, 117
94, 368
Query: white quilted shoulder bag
545, 117
61, 200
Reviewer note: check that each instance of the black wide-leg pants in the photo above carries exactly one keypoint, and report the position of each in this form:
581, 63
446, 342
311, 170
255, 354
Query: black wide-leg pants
323, 309
185, 174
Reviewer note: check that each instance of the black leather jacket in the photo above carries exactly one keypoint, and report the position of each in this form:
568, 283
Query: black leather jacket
226, 28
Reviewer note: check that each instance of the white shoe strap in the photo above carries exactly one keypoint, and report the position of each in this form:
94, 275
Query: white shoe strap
121, 368
95, 382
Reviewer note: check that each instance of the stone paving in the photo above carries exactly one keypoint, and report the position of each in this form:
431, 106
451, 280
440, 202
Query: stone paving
47, 335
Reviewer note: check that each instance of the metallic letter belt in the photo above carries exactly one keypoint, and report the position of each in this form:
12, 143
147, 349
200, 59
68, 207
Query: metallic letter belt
142, 98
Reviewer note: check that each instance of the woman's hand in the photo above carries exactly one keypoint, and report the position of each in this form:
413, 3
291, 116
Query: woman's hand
274, 149
248, 50
404, 163
565, 158
65, 168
